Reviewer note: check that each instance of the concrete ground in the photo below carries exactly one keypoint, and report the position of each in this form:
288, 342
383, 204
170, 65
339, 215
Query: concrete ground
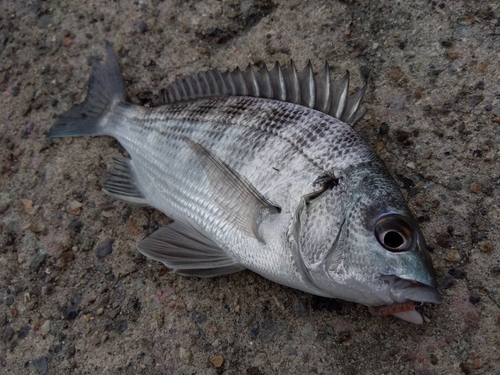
77, 298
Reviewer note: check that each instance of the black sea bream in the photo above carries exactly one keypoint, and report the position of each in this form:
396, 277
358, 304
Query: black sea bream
261, 169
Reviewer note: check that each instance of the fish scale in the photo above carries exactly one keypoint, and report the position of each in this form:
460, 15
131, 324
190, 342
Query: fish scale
263, 170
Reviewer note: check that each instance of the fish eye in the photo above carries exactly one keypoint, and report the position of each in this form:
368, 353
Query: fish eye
394, 233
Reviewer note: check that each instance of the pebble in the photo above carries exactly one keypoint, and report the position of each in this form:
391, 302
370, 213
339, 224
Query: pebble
486, 246
75, 208
27, 129
70, 351
38, 259
70, 312
105, 249
453, 256
217, 361
383, 129
37, 227
142, 26
446, 282
475, 298
465, 368
44, 21
443, 239
395, 74
184, 354
343, 336
24, 332
197, 317
365, 70
254, 331
5, 200
495, 270
457, 273
485, 182
300, 309
475, 187
45, 328
8, 333
148, 360
434, 359
40, 365
28, 206
401, 135
120, 326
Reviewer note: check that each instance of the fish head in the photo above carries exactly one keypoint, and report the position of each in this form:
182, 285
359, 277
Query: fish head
378, 256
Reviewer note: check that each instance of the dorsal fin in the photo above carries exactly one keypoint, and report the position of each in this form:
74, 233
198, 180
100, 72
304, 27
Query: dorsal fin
305, 88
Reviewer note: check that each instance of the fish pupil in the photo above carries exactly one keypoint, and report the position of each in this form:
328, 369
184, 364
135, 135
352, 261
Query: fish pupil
393, 239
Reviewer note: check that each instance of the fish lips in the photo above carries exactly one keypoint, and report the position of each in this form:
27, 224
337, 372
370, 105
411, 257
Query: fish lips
403, 290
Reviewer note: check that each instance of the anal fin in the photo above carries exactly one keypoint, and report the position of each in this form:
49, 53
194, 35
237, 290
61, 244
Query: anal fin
188, 251
122, 184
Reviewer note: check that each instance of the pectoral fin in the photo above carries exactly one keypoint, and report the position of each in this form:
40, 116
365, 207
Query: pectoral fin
242, 204
188, 251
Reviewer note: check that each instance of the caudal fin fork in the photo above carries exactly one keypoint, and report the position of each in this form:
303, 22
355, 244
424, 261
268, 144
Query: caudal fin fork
105, 86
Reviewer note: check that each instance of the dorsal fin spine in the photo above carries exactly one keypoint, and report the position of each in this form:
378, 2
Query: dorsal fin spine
292, 84
307, 86
266, 85
303, 88
253, 85
323, 89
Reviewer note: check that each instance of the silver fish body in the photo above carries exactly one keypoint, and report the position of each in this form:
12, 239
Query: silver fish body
285, 190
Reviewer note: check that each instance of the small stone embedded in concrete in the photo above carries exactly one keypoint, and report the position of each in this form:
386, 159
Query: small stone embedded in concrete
300, 309
476, 187
148, 360
40, 365
37, 227
24, 332
184, 354
457, 273
453, 256
105, 249
486, 246
475, 298
28, 206
45, 328
38, 259
5, 201
446, 282
7, 334
75, 208
217, 361
443, 239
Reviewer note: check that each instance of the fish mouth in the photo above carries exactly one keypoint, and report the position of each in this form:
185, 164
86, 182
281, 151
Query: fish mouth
406, 293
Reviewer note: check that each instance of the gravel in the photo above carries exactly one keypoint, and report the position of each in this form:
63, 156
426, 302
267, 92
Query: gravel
73, 301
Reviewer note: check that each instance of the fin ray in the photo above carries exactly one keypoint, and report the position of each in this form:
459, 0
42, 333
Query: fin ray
188, 251
122, 184
105, 86
242, 204
303, 87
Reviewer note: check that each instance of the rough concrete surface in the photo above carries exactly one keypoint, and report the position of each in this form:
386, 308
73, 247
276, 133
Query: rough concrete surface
77, 298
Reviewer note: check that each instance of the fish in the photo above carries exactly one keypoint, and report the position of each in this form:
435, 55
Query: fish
261, 169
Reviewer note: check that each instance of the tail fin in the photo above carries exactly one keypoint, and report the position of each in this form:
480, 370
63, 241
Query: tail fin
105, 86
